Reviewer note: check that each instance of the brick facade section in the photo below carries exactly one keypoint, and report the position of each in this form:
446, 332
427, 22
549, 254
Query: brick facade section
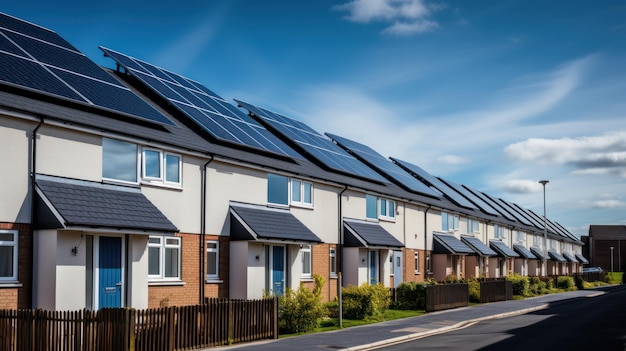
320, 256
189, 293
409, 265
19, 297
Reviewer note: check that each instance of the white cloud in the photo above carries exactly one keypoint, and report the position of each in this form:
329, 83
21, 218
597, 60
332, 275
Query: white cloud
521, 186
594, 155
610, 203
452, 159
406, 16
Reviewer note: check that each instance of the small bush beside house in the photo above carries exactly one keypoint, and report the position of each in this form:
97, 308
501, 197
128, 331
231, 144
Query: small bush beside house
301, 310
365, 301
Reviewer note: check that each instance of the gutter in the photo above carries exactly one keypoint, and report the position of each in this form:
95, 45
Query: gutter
426, 268
203, 187
340, 262
33, 211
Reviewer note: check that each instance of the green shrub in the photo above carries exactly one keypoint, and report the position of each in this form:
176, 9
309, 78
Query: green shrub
365, 301
302, 309
565, 283
579, 281
411, 296
537, 286
521, 284
332, 308
474, 290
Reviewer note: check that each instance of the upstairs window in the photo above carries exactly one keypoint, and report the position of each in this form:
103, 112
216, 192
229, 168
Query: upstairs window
379, 208
8, 255
520, 237
537, 241
449, 221
371, 207
161, 167
387, 209
284, 191
472, 226
119, 160
498, 231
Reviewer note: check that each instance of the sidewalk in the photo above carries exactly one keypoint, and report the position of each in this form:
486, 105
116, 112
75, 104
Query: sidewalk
384, 333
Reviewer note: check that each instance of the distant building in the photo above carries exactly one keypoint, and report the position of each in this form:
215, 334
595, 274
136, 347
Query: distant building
603, 243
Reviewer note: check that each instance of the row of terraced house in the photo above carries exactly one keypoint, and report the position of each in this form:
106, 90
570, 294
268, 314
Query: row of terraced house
133, 186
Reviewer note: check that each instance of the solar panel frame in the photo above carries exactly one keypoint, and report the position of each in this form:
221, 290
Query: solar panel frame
201, 106
453, 244
42, 62
433, 181
383, 165
318, 146
478, 246
523, 211
483, 206
493, 204
503, 249
511, 211
524, 252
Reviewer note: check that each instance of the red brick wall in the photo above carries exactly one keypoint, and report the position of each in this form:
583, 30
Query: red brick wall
189, 293
409, 265
19, 297
320, 255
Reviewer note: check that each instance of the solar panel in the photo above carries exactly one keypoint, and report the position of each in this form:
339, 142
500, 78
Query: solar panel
549, 223
313, 143
37, 59
538, 252
424, 176
537, 223
452, 244
478, 245
383, 165
523, 251
203, 107
493, 204
471, 197
506, 206
502, 248
566, 231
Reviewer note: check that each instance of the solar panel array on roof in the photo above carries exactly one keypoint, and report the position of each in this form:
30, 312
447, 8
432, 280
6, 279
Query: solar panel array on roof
37, 59
383, 165
523, 251
213, 114
478, 245
493, 204
502, 248
536, 222
435, 182
313, 143
507, 207
482, 205
451, 244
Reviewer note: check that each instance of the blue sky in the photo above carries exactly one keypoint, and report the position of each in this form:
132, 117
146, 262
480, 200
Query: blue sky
493, 94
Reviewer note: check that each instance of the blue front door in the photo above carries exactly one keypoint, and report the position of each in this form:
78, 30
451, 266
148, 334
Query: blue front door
110, 272
278, 270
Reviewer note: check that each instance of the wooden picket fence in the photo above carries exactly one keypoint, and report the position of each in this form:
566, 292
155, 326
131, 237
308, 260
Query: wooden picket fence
216, 322
496, 290
446, 296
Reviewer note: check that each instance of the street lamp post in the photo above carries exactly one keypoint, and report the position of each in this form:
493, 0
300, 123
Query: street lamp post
545, 229
611, 259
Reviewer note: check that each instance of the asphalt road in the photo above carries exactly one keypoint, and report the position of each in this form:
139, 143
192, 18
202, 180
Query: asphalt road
597, 323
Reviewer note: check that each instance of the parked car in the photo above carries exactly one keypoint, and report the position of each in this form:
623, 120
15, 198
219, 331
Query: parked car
592, 270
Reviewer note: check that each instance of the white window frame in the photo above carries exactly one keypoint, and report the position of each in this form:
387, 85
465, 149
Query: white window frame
163, 245
302, 186
215, 250
138, 157
144, 176
417, 262
386, 209
520, 237
15, 245
537, 241
450, 227
333, 261
307, 260
180, 169
473, 226
499, 232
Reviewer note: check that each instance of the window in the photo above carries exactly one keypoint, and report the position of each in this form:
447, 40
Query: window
305, 252
449, 221
8, 255
498, 232
333, 262
376, 208
429, 267
537, 241
472, 226
371, 207
119, 160
278, 191
301, 193
160, 167
387, 209
212, 259
520, 236
164, 258
417, 262
552, 244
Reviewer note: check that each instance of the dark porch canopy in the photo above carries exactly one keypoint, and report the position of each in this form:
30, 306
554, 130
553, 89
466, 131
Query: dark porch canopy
478, 246
63, 203
262, 223
568, 256
524, 252
537, 252
449, 244
502, 249
556, 256
359, 233
581, 258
